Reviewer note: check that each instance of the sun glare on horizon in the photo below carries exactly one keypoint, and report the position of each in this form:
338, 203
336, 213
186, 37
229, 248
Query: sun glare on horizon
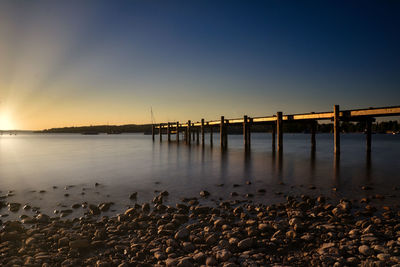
6, 122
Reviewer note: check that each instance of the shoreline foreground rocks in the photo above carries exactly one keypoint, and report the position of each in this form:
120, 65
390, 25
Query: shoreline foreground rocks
303, 231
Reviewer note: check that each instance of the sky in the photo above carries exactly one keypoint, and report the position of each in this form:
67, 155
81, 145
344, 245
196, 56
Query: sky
72, 63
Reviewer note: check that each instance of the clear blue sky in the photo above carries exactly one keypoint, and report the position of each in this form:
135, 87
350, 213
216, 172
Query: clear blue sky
91, 62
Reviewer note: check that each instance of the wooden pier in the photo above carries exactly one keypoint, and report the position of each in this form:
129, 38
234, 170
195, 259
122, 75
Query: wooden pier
191, 130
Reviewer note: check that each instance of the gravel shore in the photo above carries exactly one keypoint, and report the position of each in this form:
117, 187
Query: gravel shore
302, 231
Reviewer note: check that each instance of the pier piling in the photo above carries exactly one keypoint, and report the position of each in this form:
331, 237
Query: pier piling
222, 131
177, 131
202, 131
188, 133
279, 130
169, 132
336, 128
152, 131
245, 131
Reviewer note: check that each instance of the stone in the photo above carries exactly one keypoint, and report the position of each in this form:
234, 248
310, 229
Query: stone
365, 250
79, 244
224, 255
14, 207
245, 244
182, 234
171, 262
160, 255
204, 193
185, 262
211, 261
383, 256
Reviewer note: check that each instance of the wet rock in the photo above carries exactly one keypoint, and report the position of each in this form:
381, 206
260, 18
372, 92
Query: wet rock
133, 196
14, 207
94, 210
204, 193
76, 206
103, 207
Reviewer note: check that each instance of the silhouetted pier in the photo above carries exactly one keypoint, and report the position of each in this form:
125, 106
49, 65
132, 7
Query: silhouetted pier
192, 130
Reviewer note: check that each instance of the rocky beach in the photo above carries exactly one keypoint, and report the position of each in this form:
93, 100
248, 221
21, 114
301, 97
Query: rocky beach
304, 230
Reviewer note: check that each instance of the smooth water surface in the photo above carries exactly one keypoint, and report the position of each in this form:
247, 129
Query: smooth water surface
128, 163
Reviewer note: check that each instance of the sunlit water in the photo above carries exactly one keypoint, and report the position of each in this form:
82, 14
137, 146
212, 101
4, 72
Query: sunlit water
128, 163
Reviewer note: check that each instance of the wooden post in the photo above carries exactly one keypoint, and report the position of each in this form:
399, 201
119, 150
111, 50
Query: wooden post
152, 131
368, 133
245, 132
336, 129
169, 131
197, 135
188, 135
313, 131
177, 131
279, 130
160, 132
211, 136
273, 137
202, 131
221, 131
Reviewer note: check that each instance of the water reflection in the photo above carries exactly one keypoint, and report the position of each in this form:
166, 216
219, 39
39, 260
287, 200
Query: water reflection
368, 166
134, 163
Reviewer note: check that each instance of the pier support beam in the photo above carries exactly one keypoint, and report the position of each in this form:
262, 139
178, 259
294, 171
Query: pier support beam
222, 131
245, 132
160, 131
279, 130
202, 131
169, 132
152, 131
368, 132
188, 133
177, 131
336, 129
313, 131
197, 135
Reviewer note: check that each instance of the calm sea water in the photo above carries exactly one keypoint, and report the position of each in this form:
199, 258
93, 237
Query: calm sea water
128, 163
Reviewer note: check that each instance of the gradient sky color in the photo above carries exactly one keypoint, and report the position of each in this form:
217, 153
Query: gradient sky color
70, 63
